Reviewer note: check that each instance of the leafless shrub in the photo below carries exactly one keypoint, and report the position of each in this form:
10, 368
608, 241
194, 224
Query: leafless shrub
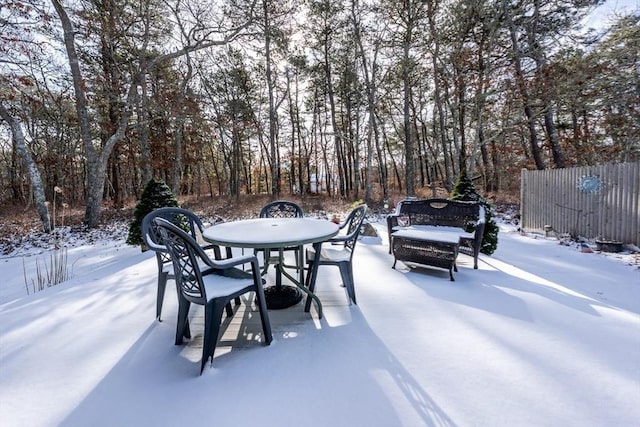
50, 272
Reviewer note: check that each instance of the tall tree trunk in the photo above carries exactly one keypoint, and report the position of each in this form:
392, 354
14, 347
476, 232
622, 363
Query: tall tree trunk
275, 181
552, 134
112, 87
303, 153
478, 108
293, 181
370, 88
32, 169
437, 95
179, 127
550, 127
143, 132
524, 93
96, 162
394, 165
409, 143
337, 137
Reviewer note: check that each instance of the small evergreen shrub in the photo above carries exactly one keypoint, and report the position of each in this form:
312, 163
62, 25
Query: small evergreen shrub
156, 195
465, 190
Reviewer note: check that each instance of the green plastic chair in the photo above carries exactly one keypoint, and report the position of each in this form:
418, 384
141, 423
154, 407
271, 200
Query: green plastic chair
338, 251
280, 209
211, 283
186, 220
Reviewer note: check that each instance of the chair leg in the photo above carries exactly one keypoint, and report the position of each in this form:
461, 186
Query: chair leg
310, 283
229, 309
186, 329
267, 256
182, 327
212, 319
264, 316
347, 280
162, 285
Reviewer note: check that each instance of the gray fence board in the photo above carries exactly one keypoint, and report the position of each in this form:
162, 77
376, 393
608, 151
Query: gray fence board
595, 202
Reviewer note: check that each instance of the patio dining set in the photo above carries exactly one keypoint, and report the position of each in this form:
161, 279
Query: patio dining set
206, 272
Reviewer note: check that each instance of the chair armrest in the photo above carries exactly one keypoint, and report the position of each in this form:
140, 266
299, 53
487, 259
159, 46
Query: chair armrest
216, 250
339, 239
153, 245
231, 262
343, 238
222, 264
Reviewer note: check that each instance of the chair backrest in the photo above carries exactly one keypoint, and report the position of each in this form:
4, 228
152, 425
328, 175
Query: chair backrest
353, 226
186, 220
281, 209
183, 218
184, 252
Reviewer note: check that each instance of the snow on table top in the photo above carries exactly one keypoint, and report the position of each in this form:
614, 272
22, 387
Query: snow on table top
270, 232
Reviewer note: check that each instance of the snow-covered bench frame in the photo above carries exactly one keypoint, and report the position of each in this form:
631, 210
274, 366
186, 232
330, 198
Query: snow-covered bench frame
420, 225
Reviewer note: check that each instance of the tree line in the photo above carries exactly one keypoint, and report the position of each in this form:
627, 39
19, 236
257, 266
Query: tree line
355, 98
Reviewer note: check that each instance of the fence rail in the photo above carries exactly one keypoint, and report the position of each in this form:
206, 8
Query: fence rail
595, 202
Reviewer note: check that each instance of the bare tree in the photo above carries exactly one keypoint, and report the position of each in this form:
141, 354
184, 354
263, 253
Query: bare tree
97, 158
369, 71
32, 168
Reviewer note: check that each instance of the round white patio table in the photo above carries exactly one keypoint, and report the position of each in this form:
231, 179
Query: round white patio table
277, 233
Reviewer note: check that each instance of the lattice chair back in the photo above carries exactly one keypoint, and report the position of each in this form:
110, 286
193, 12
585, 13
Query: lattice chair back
354, 225
152, 239
281, 209
186, 221
184, 255
183, 218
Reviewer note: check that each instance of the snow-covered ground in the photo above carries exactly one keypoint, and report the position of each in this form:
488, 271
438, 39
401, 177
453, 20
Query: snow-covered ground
542, 334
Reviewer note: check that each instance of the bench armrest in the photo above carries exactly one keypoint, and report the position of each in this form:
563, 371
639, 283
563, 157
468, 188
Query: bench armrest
392, 221
479, 231
478, 235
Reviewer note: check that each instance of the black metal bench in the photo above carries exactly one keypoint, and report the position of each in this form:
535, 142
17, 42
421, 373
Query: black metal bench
433, 231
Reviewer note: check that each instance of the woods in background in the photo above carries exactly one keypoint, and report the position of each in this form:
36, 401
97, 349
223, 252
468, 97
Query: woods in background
353, 98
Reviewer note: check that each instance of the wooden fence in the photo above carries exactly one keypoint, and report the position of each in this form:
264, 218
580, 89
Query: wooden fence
596, 202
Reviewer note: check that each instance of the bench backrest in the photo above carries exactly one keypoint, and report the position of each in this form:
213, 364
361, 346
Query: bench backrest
443, 212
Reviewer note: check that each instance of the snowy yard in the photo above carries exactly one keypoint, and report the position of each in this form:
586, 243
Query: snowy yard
540, 335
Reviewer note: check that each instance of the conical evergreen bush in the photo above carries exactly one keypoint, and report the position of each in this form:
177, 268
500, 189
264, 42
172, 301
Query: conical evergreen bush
465, 190
156, 195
